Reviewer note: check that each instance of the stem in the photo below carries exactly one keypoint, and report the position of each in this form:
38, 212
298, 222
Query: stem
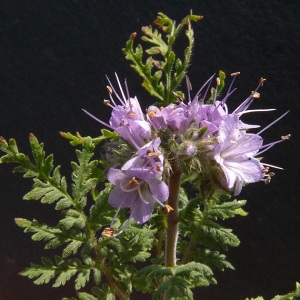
172, 217
103, 267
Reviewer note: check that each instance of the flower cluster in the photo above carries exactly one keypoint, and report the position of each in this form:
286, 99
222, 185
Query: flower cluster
200, 133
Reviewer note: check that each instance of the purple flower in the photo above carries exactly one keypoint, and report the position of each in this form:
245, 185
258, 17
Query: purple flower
138, 184
127, 118
236, 153
137, 193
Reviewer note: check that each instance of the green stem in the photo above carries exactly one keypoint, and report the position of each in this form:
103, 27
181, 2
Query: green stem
172, 218
103, 267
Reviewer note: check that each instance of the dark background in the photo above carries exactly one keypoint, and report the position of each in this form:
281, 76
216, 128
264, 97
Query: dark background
53, 59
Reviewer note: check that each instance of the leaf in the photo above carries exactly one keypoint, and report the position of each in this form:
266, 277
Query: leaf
290, 296
216, 236
72, 248
82, 279
227, 209
77, 139
43, 232
86, 296
161, 57
72, 219
86, 173
196, 274
174, 288
64, 276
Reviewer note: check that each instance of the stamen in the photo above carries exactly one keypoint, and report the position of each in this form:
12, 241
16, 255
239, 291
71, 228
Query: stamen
189, 87
261, 81
265, 170
110, 90
108, 232
141, 196
255, 95
120, 87
158, 168
254, 110
153, 154
98, 120
152, 113
115, 93
177, 96
133, 182
106, 102
132, 115
207, 83
272, 123
235, 74
168, 208
272, 166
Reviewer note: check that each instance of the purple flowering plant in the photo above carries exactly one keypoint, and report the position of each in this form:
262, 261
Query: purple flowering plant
145, 215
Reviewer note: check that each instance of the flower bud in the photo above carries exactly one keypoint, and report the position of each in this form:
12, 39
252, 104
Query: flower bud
186, 150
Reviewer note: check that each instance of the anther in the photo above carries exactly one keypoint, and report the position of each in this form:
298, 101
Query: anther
218, 81
158, 169
152, 113
168, 208
133, 182
285, 137
235, 74
268, 180
262, 80
178, 97
106, 102
108, 232
110, 90
255, 95
265, 170
153, 154
131, 115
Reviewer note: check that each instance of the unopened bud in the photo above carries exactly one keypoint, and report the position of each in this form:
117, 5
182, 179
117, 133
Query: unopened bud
186, 150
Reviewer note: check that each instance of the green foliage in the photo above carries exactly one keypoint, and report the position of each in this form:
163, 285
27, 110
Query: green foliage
84, 257
87, 253
63, 270
294, 295
203, 237
77, 139
163, 71
175, 282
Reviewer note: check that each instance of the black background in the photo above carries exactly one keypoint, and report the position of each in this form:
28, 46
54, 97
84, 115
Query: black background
53, 59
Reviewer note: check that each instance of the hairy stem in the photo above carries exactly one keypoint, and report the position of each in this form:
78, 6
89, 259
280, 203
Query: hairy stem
172, 218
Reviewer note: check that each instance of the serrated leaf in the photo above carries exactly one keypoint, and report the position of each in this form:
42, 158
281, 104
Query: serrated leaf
72, 221
82, 279
42, 274
63, 277
86, 296
227, 209
215, 236
71, 248
174, 288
